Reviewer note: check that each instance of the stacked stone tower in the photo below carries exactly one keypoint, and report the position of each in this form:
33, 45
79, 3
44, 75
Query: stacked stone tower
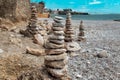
56, 58
71, 45
69, 32
33, 27
81, 32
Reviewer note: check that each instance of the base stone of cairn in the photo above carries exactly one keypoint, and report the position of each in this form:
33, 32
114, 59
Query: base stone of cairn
81, 35
56, 58
71, 45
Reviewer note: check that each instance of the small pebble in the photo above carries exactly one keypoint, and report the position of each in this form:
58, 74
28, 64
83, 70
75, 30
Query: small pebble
1, 51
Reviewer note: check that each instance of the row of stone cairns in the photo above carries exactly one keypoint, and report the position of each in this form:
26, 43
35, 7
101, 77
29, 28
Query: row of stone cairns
58, 45
56, 59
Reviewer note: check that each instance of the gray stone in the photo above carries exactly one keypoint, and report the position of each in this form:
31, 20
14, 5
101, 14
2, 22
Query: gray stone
54, 46
58, 32
55, 51
58, 21
57, 41
58, 73
55, 37
56, 64
59, 18
72, 46
56, 57
58, 25
58, 28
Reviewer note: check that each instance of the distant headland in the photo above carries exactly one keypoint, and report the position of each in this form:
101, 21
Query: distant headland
57, 11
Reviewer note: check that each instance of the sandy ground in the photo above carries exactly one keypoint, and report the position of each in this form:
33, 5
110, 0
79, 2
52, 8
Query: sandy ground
100, 35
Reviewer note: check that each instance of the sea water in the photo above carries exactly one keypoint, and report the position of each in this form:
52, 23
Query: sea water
94, 17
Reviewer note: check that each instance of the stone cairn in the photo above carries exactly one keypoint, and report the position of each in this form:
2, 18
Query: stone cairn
56, 58
81, 32
32, 28
69, 32
71, 45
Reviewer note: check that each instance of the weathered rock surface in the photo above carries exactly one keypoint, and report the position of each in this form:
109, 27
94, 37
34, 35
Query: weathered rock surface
15, 10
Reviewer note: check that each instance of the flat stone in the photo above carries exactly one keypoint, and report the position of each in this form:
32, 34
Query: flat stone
58, 73
72, 46
69, 39
59, 18
54, 46
69, 32
57, 41
58, 28
55, 37
59, 32
56, 64
58, 21
81, 34
70, 36
54, 51
80, 38
56, 57
58, 24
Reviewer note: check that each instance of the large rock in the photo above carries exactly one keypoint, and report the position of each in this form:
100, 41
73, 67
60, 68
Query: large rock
15, 10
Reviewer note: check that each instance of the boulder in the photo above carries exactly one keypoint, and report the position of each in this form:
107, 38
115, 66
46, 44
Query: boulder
54, 46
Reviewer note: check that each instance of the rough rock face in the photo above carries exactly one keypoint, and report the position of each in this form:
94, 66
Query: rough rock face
15, 10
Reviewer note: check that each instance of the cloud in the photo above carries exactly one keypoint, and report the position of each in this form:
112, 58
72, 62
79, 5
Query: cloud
71, 2
95, 2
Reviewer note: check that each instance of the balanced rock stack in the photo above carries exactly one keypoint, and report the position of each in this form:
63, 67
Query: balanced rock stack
69, 32
32, 28
56, 58
81, 32
71, 45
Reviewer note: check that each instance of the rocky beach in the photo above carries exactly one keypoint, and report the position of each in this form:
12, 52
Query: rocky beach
98, 59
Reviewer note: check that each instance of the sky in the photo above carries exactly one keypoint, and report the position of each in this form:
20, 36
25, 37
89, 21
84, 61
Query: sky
90, 6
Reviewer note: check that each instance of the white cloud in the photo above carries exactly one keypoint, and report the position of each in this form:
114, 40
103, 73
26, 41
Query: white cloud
71, 2
95, 2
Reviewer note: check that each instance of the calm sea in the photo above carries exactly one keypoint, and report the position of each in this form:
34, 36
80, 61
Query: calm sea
94, 17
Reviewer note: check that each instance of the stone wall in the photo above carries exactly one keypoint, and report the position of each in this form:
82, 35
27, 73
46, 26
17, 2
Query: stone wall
15, 10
